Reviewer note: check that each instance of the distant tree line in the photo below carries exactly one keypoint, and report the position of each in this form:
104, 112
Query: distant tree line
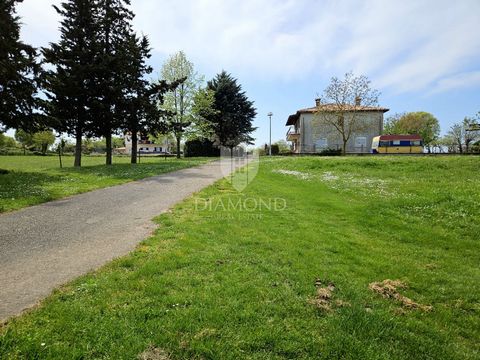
462, 137
92, 83
37, 142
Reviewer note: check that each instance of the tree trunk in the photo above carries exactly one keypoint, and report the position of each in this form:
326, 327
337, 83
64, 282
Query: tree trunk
344, 147
133, 155
60, 156
108, 141
178, 147
78, 148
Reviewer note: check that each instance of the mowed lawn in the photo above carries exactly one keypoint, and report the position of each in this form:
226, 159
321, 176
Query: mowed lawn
36, 179
287, 279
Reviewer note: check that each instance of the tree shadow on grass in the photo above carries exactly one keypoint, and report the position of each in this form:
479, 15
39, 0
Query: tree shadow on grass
19, 189
129, 171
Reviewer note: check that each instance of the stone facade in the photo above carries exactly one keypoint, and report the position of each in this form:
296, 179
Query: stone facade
311, 133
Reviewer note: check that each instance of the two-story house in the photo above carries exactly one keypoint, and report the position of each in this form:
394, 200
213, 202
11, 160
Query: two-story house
311, 131
144, 146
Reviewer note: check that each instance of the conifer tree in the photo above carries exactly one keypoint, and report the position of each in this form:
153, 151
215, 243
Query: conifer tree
18, 74
115, 35
231, 120
139, 110
71, 84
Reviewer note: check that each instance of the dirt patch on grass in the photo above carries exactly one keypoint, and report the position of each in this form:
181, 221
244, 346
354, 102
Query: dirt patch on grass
389, 290
154, 353
323, 299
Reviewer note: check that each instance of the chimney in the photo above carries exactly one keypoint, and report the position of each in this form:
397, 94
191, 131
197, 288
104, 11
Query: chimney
317, 102
358, 99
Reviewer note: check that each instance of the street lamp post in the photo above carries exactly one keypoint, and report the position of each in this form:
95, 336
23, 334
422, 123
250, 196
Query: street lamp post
270, 114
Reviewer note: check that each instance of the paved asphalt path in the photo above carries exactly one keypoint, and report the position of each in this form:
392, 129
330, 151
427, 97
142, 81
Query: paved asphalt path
44, 246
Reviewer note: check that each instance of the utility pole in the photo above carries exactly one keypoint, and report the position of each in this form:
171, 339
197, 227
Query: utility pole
270, 114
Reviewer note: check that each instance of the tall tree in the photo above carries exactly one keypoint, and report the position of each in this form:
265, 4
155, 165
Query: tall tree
135, 106
456, 134
231, 120
390, 125
115, 34
140, 109
43, 139
422, 123
181, 99
344, 101
472, 132
18, 74
202, 110
114, 29
465, 133
24, 138
72, 81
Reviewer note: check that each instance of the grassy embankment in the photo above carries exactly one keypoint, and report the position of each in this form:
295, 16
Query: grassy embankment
251, 283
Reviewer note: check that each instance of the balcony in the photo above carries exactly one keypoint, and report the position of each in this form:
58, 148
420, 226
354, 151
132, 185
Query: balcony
293, 134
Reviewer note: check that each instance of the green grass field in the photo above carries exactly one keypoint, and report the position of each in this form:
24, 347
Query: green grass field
291, 282
36, 179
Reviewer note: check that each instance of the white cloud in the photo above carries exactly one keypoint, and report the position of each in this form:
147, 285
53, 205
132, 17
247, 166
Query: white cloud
447, 43
403, 45
457, 81
406, 46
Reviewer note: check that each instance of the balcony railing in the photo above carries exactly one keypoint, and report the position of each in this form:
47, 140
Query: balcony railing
293, 134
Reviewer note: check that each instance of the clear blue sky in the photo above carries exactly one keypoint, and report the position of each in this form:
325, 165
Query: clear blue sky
421, 55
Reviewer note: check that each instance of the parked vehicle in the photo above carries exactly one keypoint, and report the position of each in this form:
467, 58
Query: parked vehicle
397, 144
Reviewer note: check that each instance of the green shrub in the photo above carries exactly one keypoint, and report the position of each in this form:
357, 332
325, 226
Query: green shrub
331, 152
12, 151
200, 147
275, 149
476, 148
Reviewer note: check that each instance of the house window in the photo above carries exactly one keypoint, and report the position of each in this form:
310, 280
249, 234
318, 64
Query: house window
321, 143
361, 141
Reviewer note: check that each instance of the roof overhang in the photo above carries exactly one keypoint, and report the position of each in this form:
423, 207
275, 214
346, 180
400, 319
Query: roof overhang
292, 119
